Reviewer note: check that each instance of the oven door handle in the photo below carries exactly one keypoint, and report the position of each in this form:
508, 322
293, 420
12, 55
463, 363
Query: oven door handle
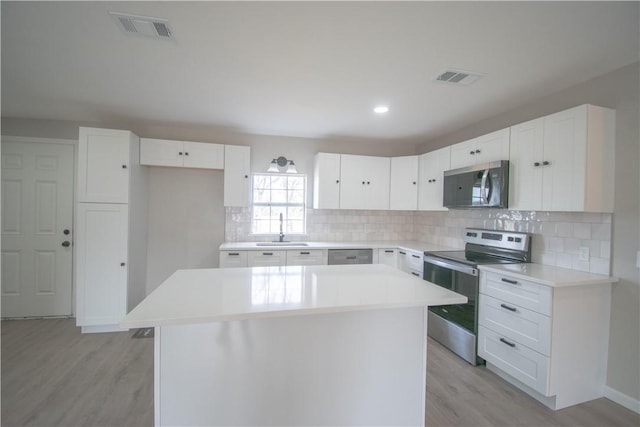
450, 265
483, 187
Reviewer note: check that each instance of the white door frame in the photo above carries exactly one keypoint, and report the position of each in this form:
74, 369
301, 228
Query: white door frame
74, 144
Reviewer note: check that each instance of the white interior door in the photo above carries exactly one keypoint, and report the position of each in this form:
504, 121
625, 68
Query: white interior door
37, 207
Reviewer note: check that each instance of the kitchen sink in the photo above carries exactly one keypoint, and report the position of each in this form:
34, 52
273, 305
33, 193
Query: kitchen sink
282, 244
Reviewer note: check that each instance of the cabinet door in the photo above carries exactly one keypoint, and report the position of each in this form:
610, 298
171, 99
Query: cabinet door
103, 165
236, 175
403, 191
203, 155
388, 257
463, 154
493, 146
432, 167
160, 152
563, 180
326, 181
525, 166
352, 182
378, 174
101, 263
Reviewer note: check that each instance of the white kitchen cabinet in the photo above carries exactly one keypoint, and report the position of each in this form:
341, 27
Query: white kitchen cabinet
104, 165
431, 180
388, 256
326, 181
564, 161
110, 238
102, 262
410, 262
486, 148
233, 259
188, 154
364, 182
237, 168
306, 257
550, 341
404, 183
266, 258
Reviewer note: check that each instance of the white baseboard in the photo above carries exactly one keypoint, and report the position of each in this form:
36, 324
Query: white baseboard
622, 399
102, 329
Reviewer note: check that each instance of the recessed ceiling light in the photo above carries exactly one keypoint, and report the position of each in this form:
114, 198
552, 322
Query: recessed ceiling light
381, 109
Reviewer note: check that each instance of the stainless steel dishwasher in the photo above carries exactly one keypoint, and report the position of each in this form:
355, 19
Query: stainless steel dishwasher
350, 256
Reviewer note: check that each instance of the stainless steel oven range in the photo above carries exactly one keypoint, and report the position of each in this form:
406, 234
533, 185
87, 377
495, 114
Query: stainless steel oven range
456, 326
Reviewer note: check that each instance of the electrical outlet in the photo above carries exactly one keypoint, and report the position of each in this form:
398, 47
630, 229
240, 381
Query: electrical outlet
584, 253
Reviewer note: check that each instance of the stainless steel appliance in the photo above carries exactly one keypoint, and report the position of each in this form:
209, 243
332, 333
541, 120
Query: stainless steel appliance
456, 326
480, 186
350, 256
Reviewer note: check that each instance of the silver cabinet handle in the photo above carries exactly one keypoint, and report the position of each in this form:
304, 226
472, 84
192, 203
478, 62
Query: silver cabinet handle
512, 282
510, 344
506, 307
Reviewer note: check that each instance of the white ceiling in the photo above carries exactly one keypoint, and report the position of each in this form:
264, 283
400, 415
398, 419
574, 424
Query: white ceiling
312, 69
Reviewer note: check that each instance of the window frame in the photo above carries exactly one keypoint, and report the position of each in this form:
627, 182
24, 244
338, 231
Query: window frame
284, 205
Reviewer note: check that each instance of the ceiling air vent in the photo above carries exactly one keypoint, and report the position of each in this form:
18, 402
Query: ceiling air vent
463, 78
143, 26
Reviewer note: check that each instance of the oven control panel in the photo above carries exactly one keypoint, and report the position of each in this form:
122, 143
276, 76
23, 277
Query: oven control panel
497, 238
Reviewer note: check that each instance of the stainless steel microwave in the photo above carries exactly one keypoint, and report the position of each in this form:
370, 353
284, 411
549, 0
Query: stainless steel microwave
479, 186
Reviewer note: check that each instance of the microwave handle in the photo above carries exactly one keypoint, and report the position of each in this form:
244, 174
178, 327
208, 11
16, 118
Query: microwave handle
483, 187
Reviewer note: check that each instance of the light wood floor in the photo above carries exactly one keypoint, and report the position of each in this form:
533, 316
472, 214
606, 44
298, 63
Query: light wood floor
54, 376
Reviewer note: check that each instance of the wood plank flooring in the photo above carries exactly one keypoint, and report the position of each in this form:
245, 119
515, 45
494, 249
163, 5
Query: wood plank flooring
52, 375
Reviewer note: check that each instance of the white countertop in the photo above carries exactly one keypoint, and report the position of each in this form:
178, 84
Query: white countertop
549, 275
408, 245
211, 295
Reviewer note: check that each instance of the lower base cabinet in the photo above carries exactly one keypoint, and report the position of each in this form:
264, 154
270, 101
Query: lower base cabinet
551, 342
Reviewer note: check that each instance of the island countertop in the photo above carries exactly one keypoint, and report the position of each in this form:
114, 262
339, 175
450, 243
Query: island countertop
221, 294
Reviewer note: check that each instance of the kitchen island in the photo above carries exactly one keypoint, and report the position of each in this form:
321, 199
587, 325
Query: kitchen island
314, 345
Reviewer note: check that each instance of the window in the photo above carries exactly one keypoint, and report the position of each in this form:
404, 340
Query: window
275, 194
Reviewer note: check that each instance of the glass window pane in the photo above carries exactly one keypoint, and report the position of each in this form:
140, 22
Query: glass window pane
296, 196
295, 213
296, 182
261, 181
261, 196
261, 212
278, 182
260, 226
295, 227
279, 196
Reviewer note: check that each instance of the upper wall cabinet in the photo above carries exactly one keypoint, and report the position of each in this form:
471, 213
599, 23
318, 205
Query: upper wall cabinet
163, 152
404, 183
326, 181
486, 148
364, 182
104, 164
237, 168
432, 167
564, 161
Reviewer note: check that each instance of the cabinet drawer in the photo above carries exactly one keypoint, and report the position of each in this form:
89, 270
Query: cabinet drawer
410, 261
523, 293
305, 257
266, 258
416, 273
517, 360
230, 259
388, 257
516, 323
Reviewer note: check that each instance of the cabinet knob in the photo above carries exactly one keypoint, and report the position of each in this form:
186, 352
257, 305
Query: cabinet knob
186, 153
124, 166
337, 181
434, 180
246, 176
472, 152
179, 153
368, 183
477, 151
66, 244
546, 163
362, 182
536, 164
66, 231
122, 264
414, 183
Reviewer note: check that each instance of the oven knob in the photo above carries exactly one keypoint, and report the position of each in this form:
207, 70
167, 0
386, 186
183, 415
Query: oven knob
510, 239
518, 240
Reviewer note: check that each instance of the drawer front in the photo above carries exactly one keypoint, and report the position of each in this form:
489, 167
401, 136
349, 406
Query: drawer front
416, 273
517, 360
523, 293
516, 323
230, 259
305, 257
266, 258
410, 261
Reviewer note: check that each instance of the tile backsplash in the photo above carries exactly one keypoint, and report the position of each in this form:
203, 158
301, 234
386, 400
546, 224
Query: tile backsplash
557, 236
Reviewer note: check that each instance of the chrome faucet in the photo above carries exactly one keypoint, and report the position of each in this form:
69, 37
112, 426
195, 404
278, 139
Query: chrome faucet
281, 233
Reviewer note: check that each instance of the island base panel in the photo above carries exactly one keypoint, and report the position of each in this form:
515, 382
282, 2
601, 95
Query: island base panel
353, 368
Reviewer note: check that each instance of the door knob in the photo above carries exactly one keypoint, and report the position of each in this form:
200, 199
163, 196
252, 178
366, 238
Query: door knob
66, 244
